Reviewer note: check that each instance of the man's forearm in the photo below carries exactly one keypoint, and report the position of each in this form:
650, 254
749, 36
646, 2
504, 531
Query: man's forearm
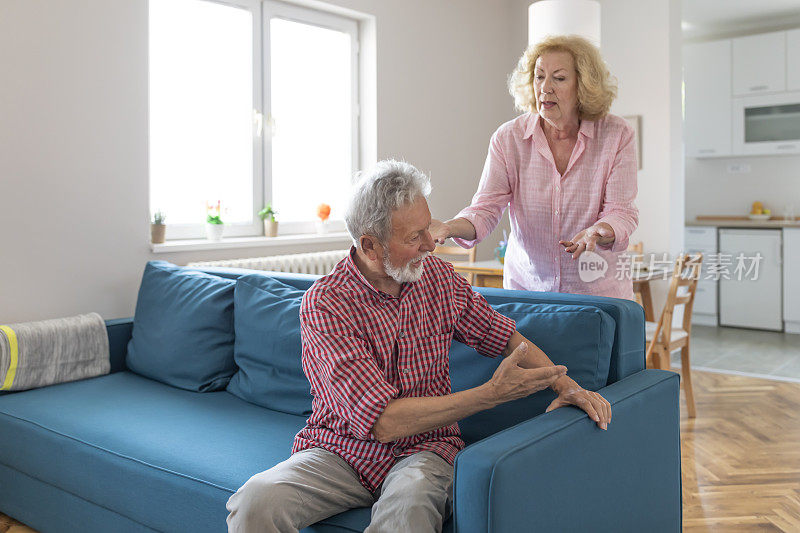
536, 358
410, 416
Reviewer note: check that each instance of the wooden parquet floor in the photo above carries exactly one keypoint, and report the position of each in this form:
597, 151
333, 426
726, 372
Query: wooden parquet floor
740, 457
9, 525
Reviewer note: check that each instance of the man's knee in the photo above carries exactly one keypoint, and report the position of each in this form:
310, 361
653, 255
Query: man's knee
416, 496
425, 476
263, 502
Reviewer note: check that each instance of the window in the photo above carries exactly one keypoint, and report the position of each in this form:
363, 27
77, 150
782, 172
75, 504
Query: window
250, 103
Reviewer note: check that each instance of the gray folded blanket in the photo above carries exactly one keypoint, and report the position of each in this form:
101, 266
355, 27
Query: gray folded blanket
37, 354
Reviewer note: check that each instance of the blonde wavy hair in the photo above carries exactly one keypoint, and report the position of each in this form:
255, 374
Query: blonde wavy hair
596, 87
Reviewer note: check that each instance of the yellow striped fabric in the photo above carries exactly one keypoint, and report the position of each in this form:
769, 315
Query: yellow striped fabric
12, 369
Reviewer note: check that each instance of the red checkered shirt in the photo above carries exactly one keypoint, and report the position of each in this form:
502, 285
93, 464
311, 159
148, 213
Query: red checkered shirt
363, 347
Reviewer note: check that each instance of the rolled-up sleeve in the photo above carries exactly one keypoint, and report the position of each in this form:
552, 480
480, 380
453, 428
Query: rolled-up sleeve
491, 198
478, 325
619, 210
343, 372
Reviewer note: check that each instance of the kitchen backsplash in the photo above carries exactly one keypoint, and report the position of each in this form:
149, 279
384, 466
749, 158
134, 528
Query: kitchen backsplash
712, 189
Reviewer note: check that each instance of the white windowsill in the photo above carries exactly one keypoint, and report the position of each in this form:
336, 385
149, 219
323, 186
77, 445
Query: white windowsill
185, 245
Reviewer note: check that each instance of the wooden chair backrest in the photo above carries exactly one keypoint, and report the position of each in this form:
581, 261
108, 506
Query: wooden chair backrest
636, 247
469, 254
685, 273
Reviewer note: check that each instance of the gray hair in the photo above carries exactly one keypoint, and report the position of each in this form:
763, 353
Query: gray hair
378, 193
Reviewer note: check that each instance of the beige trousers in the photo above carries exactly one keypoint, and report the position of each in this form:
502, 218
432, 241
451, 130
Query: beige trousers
314, 484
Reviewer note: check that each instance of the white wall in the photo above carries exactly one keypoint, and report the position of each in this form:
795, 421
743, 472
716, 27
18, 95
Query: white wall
73, 136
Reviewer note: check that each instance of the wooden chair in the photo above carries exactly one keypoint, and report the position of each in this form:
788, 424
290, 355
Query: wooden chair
663, 337
636, 247
462, 254
636, 251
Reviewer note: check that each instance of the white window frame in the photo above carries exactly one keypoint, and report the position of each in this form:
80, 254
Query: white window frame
304, 15
262, 11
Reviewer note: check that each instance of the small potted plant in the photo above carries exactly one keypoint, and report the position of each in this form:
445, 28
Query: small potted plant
214, 224
323, 212
158, 227
270, 224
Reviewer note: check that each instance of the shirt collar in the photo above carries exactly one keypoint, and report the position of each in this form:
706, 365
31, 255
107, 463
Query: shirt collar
351, 267
532, 125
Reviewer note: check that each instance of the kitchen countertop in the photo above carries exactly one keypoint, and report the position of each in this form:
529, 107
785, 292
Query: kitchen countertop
743, 222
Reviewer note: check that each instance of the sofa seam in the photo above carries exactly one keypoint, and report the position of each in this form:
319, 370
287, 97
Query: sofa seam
599, 318
116, 454
565, 425
62, 489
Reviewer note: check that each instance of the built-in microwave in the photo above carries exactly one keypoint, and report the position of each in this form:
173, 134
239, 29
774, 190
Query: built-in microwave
767, 124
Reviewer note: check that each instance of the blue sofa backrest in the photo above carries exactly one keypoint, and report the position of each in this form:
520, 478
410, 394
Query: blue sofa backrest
601, 340
627, 350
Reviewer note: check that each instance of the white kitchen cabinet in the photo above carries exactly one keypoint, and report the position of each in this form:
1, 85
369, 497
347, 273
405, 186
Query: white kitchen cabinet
793, 60
707, 78
791, 279
759, 64
704, 239
751, 298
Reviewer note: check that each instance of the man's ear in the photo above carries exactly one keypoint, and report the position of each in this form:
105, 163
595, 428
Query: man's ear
371, 247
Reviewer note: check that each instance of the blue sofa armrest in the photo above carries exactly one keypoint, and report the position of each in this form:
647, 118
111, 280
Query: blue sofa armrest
120, 331
560, 472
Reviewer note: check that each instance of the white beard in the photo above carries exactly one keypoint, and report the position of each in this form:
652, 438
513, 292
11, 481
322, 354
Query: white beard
406, 273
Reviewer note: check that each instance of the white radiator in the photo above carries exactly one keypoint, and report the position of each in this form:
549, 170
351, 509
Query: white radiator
308, 263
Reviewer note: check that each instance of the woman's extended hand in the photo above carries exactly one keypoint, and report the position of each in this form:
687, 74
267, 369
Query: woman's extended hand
440, 231
600, 233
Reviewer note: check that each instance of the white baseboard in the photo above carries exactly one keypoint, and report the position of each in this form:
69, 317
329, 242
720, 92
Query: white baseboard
704, 320
792, 327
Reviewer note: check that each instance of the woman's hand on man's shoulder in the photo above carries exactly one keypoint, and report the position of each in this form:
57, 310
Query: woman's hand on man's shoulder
439, 230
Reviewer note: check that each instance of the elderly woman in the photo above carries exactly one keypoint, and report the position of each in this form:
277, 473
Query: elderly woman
567, 170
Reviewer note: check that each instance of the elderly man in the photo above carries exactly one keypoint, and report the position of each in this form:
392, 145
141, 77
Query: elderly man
376, 337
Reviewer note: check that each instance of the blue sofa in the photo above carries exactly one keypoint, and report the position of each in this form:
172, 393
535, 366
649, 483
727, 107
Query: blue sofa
127, 452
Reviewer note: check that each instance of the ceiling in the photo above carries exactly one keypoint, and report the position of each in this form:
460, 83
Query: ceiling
728, 18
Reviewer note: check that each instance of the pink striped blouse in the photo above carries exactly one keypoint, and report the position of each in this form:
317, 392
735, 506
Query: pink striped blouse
545, 207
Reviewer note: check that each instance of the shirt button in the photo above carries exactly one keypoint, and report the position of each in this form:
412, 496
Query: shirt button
558, 188
402, 334
397, 450
406, 371
556, 211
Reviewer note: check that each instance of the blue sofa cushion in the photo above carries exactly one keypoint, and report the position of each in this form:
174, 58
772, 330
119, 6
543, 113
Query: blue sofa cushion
268, 349
162, 456
577, 336
183, 328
